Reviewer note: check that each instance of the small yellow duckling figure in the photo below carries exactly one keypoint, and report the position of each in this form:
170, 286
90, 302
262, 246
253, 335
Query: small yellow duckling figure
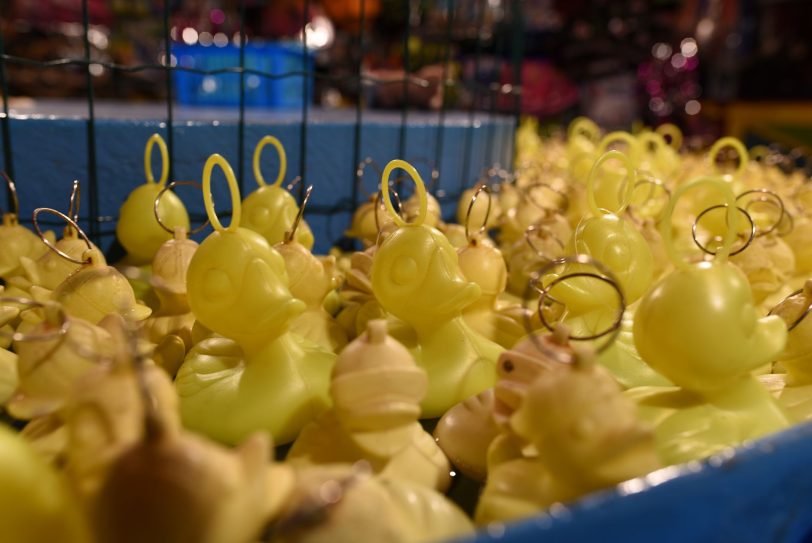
699, 328
16, 240
376, 389
270, 210
794, 388
35, 503
416, 277
259, 376
137, 229
311, 280
482, 263
613, 241
170, 327
583, 435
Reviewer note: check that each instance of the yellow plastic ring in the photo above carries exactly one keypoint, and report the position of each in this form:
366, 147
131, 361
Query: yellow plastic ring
153, 139
719, 184
283, 160
420, 188
651, 138
672, 131
584, 126
739, 147
236, 209
620, 136
628, 191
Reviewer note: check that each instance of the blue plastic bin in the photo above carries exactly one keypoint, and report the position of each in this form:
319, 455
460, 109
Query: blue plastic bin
196, 89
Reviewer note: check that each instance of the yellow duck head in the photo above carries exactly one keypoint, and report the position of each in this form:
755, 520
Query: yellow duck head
270, 210
699, 326
169, 269
137, 228
415, 272
237, 283
311, 278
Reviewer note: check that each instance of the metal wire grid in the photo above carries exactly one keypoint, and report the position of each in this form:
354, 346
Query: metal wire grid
502, 50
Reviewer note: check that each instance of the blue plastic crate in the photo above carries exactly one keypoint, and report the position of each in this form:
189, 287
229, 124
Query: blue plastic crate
196, 89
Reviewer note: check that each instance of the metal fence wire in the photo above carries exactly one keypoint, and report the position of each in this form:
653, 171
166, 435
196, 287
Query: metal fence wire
505, 46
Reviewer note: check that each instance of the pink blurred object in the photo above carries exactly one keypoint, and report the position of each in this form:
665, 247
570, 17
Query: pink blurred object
545, 90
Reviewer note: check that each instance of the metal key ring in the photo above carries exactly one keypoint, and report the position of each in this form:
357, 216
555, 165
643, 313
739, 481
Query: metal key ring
292, 232
653, 182
75, 201
540, 228
160, 195
64, 323
379, 204
12, 189
362, 166
608, 277
770, 196
732, 253
482, 229
565, 200
53, 247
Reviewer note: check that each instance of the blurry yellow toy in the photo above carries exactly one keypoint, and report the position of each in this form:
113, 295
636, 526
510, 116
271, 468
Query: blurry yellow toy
613, 241
483, 264
344, 504
95, 290
158, 482
370, 217
700, 329
376, 390
259, 376
35, 503
137, 229
16, 240
416, 277
794, 388
270, 210
311, 280
540, 201
541, 243
170, 327
584, 435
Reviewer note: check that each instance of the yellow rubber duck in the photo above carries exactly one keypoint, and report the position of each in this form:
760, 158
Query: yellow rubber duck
258, 376
137, 228
270, 210
376, 390
584, 435
700, 329
16, 240
416, 277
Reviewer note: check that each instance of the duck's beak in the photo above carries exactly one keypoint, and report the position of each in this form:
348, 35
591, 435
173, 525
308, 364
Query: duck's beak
447, 285
266, 296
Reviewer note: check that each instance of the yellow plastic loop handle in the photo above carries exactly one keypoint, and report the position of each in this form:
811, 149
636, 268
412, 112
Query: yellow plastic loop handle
628, 188
647, 140
420, 188
283, 160
236, 207
723, 188
585, 127
740, 149
153, 139
620, 136
672, 131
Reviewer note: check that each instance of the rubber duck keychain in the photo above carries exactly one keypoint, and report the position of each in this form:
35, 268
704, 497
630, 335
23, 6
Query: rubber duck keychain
271, 209
699, 328
16, 240
169, 328
794, 387
612, 240
416, 277
137, 230
258, 376
482, 263
50, 269
311, 280
93, 291
376, 389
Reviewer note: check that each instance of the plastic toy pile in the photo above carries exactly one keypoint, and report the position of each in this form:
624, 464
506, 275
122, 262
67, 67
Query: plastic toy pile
616, 306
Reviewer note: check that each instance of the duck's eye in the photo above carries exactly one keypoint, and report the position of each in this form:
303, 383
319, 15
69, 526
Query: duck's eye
404, 270
217, 284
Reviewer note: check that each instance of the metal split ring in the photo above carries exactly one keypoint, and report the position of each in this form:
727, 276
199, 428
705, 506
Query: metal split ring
732, 253
802, 316
160, 195
379, 203
292, 232
768, 197
64, 323
565, 200
53, 247
12, 189
482, 229
653, 183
